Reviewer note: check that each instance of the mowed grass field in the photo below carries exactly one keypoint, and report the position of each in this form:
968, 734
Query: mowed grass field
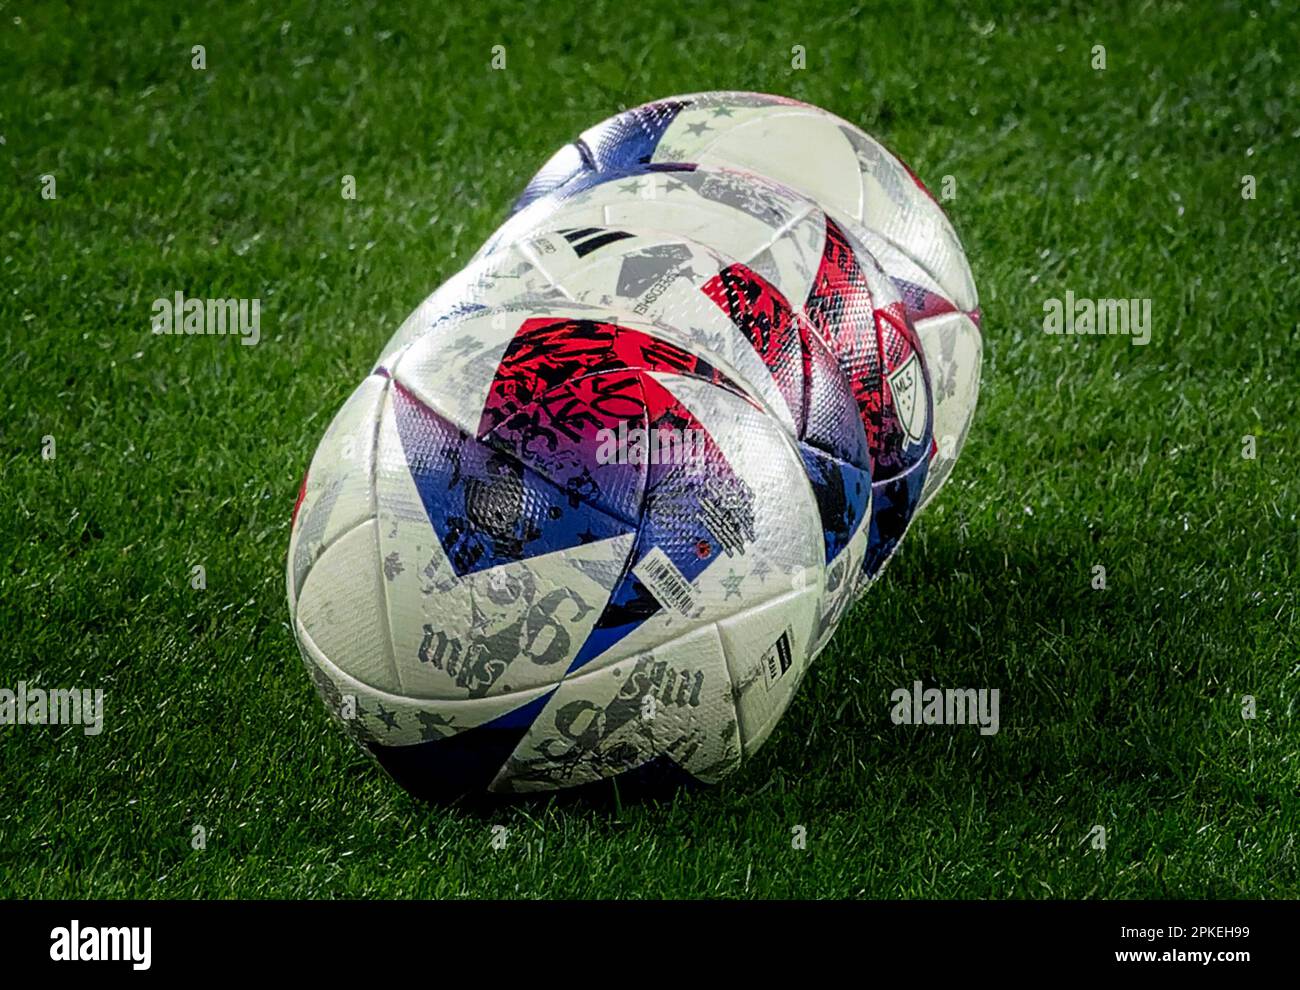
1120, 708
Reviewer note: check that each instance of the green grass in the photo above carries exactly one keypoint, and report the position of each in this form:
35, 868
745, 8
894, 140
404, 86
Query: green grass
1120, 707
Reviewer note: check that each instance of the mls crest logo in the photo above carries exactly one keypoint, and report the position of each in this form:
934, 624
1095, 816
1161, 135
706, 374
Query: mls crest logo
905, 383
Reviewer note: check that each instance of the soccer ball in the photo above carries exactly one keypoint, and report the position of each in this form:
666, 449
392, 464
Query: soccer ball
714, 305
845, 171
545, 544
782, 245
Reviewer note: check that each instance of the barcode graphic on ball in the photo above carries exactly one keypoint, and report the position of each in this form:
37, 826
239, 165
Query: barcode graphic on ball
658, 573
776, 661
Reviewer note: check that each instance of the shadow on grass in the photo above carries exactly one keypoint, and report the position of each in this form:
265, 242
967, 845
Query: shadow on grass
1011, 611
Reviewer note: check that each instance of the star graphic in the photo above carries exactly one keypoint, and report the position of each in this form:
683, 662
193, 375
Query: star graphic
732, 583
633, 187
722, 112
687, 271
387, 717
698, 129
465, 344
672, 185
393, 565
762, 569
431, 726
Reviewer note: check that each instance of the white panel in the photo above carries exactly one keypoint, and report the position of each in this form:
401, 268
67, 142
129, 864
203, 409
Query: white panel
379, 716
674, 700
342, 608
767, 660
896, 262
953, 350
505, 277
338, 492
801, 150
901, 211
452, 371
831, 161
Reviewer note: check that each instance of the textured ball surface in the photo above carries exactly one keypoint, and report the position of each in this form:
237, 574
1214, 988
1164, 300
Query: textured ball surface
717, 305
498, 588
785, 245
846, 171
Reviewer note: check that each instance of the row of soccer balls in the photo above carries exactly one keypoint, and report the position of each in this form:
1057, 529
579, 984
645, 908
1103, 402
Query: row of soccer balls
490, 601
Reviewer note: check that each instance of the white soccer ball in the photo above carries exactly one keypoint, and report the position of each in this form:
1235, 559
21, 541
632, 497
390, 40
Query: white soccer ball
499, 584
780, 245
713, 305
846, 171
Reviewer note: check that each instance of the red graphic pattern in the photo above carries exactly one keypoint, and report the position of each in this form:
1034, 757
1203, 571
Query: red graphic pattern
768, 321
302, 494
548, 353
563, 383
870, 342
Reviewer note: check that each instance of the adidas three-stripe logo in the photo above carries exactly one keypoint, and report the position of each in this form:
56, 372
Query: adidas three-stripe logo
590, 239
